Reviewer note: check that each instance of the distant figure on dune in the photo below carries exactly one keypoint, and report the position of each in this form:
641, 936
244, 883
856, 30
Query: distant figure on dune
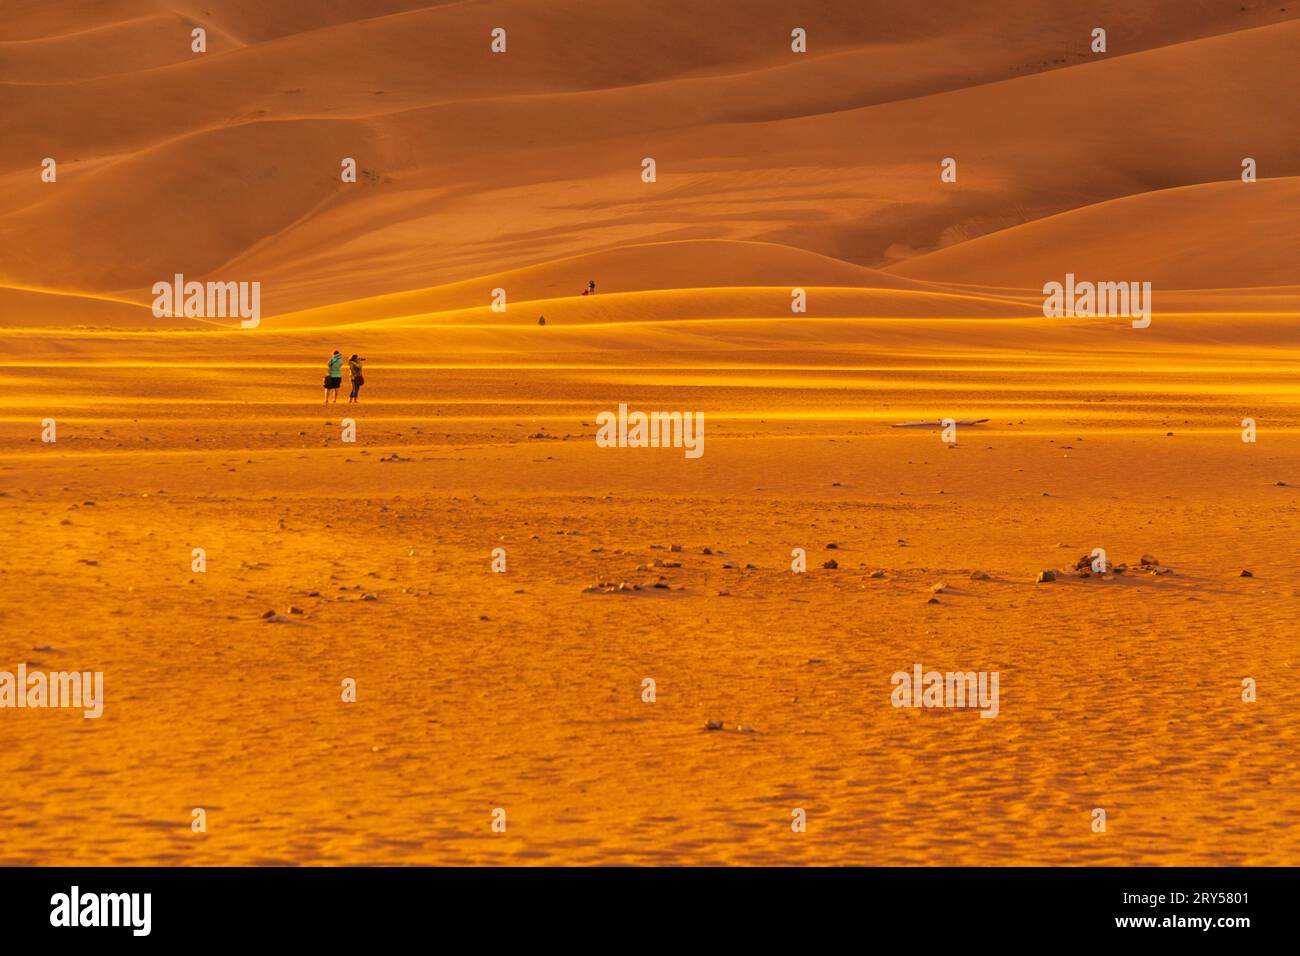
591, 287
333, 376
354, 370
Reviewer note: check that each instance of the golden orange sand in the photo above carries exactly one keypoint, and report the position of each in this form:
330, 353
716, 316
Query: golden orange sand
521, 691
775, 171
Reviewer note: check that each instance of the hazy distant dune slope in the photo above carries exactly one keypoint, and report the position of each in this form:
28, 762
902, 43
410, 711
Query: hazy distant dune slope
1212, 236
475, 164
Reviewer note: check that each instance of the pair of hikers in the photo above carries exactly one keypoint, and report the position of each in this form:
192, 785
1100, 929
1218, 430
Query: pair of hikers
334, 376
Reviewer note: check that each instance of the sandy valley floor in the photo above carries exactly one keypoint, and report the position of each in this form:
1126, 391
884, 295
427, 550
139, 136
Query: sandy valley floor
522, 691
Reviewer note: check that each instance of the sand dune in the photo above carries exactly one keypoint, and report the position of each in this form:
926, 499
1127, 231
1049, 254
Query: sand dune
474, 164
33, 308
1212, 236
702, 264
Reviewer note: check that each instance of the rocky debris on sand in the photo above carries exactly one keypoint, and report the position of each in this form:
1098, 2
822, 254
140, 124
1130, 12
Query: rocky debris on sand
830, 565
610, 587
1083, 567
713, 725
1044, 576
370, 597
661, 563
674, 547
1151, 565
876, 574
832, 546
706, 550
979, 576
1247, 574
933, 600
295, 610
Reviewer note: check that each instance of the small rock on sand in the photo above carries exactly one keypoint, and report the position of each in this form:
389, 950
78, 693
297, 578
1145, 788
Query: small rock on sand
1044, 576
831, 565
713, 725
1247, 574
979, 576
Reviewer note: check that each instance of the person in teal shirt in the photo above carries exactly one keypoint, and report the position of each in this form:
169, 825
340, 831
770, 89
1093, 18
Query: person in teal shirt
334, 376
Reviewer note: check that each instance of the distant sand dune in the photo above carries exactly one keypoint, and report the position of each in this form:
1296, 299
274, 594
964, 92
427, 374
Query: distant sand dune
475, 165
1210, 236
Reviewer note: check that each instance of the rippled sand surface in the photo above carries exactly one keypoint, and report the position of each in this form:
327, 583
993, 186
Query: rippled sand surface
523, 691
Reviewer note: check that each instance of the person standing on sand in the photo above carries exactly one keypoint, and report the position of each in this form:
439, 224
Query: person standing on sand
354, 370
333, 376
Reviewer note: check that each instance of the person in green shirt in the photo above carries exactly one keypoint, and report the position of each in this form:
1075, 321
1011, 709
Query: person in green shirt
333, 376
354, 370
